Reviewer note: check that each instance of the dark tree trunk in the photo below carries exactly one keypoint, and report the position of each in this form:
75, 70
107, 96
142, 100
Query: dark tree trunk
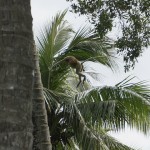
16, 75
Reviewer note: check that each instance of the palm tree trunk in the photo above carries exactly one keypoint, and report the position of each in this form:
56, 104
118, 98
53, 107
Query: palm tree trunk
16, 75
41, 130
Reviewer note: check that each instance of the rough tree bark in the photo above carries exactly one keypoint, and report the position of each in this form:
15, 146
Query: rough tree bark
41, 130
16, 75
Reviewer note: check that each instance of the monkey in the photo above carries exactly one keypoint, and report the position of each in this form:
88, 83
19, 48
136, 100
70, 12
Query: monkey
75, 64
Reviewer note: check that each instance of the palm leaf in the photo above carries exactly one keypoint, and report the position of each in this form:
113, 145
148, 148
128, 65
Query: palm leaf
87, 46
88, 138
84, 136
52, 41
116, 106
141, 87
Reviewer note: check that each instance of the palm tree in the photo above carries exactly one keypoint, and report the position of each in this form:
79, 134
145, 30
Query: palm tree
79, 118
16, 77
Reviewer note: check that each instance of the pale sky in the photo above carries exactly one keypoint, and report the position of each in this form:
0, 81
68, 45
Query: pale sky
42, 12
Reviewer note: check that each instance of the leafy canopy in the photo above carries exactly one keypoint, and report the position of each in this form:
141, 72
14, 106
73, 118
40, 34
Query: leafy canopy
132, 17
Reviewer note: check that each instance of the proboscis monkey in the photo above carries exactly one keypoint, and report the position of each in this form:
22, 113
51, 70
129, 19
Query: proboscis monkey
75, 64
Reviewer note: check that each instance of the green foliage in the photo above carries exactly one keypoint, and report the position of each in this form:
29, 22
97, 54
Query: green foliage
132, 17
53, 38
114, 107
80, 119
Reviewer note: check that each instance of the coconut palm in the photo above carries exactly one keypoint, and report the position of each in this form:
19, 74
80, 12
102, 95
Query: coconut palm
79, 118
39, 113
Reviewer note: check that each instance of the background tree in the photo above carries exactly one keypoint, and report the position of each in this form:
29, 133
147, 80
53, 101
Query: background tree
41, 132
132, 18
16, 75
81, 117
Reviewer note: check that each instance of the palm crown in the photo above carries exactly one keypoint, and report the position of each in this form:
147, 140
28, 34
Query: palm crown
81, 118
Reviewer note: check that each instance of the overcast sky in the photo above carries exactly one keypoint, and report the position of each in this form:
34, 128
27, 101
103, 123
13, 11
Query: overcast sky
42, 12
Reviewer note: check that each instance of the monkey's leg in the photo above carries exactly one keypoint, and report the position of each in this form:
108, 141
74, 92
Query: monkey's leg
82, 68
84, 78
81, 75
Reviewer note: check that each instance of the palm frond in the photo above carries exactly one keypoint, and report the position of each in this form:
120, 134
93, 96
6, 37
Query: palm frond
86, 46
142, 87
114, 107
53, 39
84, 136
83, 34
88, 138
